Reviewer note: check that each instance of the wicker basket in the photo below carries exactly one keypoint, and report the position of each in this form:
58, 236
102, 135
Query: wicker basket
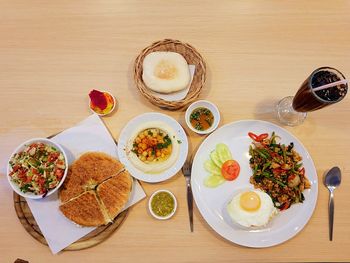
192, 57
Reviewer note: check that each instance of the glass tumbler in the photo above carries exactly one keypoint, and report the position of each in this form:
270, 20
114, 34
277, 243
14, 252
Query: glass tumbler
292, 111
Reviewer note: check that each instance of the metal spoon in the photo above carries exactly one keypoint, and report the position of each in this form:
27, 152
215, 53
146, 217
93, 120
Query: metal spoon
332, 180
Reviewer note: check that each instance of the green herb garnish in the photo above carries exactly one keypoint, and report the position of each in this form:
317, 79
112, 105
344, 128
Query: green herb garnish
25, 188
167, 142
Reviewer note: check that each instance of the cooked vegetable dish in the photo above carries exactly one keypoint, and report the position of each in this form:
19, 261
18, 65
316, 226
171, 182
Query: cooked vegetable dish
152, 145
277, 170
38, 168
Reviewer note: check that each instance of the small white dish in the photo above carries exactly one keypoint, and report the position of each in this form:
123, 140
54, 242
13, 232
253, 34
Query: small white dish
203, 104
150, 205
124, 138
21, 147
104, 114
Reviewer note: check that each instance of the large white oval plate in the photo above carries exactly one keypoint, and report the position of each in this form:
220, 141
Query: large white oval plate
212, 202
130, 128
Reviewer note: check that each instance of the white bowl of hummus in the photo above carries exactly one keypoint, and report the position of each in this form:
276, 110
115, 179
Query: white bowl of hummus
153, 147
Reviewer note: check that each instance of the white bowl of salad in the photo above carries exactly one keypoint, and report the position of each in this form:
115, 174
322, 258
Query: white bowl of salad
37, 168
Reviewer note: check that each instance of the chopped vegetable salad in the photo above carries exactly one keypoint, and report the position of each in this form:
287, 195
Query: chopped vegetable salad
38, 168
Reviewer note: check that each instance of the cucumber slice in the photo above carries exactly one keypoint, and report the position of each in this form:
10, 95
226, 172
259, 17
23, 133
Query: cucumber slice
215, 158
223, 152
211, 167
213, 181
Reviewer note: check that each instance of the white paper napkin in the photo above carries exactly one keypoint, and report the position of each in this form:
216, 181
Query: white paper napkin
89, 135
179, 95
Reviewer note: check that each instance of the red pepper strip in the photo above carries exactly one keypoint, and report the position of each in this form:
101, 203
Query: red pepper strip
291, 177
262, 136
253, 136
278, 170
273, 154
285, 206
258, 138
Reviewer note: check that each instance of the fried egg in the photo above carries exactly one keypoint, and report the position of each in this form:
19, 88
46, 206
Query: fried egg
251, 208
165, 72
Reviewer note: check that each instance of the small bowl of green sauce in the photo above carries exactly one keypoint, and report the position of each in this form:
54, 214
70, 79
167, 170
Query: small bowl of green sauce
162, 204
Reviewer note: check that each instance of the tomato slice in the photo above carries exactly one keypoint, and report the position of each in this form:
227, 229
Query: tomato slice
230, 170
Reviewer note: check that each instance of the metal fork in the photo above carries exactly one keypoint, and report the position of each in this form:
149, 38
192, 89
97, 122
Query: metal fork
186, 170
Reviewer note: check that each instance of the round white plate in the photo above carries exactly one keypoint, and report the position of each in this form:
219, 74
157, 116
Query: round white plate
212, 202
129, 129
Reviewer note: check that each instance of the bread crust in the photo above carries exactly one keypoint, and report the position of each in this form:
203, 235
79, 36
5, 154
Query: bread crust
85, 210
91, 169
114, 193
96, 189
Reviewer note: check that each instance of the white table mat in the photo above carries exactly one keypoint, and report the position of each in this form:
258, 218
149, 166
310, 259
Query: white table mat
89, 135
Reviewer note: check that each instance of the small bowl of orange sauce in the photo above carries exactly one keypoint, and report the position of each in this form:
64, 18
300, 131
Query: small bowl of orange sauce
101, 102
202, 117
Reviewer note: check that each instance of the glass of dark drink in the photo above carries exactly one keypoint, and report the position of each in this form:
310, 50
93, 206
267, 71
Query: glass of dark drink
316, 92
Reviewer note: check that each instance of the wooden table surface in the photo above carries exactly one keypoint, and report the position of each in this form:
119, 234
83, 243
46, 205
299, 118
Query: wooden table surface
52, 53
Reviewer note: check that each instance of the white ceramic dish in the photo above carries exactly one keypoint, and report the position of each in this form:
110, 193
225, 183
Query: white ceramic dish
205, 104
101, 114
125, 137
212, 202
20, 148
162, 217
